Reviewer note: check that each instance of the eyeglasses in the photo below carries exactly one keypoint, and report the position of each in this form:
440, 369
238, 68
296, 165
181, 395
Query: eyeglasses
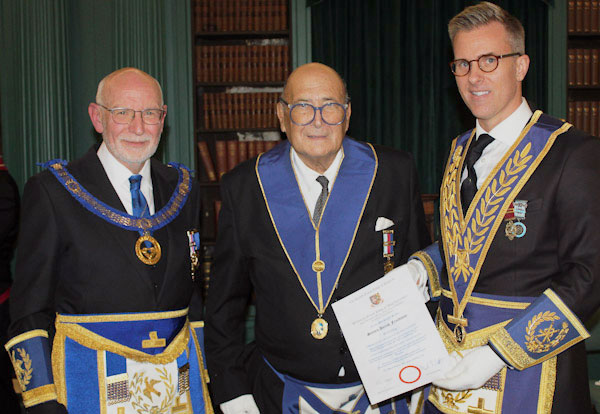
487, 63
303, 113
126, 115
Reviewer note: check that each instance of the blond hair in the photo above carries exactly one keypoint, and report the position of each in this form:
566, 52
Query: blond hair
484, 13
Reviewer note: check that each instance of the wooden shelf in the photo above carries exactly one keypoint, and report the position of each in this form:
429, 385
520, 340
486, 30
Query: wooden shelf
242, 35
210, 85
217, 131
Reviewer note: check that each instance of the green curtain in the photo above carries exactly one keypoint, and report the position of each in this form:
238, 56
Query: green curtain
394, 57
53, 53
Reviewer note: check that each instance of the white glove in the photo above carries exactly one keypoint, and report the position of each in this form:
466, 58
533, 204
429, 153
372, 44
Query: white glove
244, 404
415, 271
472, 371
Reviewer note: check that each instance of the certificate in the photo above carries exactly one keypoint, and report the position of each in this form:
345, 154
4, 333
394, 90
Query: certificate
391, 336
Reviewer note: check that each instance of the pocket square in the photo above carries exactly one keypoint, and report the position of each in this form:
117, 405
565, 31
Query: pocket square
383, 223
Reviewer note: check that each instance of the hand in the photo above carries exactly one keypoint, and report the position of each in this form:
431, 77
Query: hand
244, 404
472, 371
415, 271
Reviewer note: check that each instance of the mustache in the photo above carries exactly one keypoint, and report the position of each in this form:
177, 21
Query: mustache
135, 138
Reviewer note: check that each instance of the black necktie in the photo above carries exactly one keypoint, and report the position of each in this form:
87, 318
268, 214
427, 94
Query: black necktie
321, 200
469, 186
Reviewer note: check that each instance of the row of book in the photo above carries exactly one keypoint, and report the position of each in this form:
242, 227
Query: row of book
240, 110
228, 154
583, 16
240, 15
584, 67
584, 115
242, 63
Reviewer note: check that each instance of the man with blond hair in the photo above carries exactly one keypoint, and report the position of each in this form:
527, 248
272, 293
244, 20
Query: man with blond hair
519, 265
105, 312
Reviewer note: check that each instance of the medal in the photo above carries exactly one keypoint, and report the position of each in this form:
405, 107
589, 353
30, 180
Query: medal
194, 243
319, 328
147, 249
388, 249
517, 210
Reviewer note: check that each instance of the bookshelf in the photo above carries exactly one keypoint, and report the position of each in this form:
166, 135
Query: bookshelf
241, 59
583, 67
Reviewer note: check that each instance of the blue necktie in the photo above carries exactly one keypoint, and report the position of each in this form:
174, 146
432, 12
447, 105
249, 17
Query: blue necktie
140, 206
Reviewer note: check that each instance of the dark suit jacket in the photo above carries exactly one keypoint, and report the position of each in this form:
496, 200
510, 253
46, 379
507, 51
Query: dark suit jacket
9, 220
561, 250
249, 258
71, 261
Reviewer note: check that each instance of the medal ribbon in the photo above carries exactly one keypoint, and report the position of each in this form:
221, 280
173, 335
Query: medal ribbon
119, 218
468, 239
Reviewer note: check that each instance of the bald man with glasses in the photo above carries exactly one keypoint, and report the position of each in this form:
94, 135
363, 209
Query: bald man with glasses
105, 314
301, 226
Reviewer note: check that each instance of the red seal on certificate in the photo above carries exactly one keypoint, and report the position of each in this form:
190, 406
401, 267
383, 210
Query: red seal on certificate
409, 374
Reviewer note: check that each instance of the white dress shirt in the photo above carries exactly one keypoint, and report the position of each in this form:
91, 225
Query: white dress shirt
307, 178
118, 175
505, 134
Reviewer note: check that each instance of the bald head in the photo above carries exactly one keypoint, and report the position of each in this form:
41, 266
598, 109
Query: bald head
314, 73
125, 77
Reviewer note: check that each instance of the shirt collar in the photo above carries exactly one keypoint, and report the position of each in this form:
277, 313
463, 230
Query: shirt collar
509, 129
310, 175
118, 174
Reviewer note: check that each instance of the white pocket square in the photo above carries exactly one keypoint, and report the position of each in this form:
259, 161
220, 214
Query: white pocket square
383, 223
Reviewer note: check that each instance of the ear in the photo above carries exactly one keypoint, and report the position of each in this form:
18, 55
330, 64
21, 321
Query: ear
348, 113
522, 67
281, 116
96, 117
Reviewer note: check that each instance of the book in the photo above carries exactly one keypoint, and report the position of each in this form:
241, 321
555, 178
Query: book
579, 67
586, 124
232, 154
579, 16
587, 67
207, 163
594, 121
595, 67
571, 67
217, 207
571, 16
221, 152
242, 151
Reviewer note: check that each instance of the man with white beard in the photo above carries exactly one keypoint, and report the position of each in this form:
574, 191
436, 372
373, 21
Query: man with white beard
104, 308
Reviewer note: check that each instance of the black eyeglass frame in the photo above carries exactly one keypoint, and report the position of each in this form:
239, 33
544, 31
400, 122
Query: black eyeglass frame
315, 109
478, 60
111, 110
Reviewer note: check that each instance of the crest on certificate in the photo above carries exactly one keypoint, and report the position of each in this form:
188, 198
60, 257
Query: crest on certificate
376, 299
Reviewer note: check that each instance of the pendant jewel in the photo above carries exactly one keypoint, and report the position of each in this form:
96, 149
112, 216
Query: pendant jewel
147, 249
319, 328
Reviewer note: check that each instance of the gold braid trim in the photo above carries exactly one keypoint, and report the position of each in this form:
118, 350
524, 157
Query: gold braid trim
547, 386
25, 336
432, 273
471, 340
567, 313
94, 341
204, 378
121, 317
491, 302
39, 395
511, 351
